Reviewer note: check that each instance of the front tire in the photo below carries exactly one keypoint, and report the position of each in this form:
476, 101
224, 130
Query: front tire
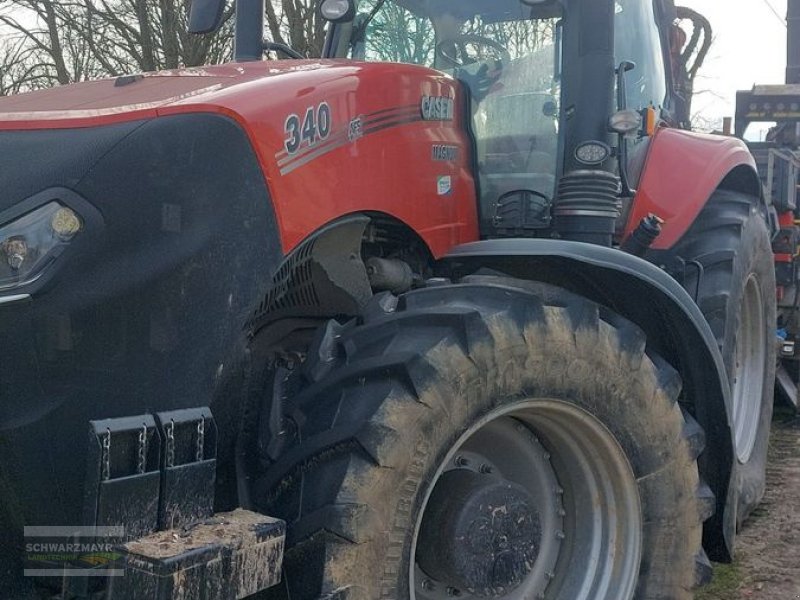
491, 439
731, 275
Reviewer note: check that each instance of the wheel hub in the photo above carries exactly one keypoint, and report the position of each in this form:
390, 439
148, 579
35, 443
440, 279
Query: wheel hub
749, 370
481, 533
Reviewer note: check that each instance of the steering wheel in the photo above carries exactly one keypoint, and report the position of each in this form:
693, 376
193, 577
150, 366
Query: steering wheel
454, 50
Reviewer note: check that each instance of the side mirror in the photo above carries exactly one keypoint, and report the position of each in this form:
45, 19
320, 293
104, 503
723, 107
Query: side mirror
337, 11
205, 16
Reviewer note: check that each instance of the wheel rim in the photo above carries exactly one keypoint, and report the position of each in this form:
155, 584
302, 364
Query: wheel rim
572, 471
748, 372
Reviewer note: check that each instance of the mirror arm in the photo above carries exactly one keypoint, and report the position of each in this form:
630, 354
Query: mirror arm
622, 84
558, 48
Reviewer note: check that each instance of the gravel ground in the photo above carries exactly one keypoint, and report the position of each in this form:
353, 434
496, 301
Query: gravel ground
768, 552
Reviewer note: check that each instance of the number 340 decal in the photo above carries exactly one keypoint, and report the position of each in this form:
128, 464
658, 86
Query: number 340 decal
314, 128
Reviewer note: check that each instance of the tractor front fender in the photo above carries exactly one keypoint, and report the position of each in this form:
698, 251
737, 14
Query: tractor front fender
681, 172
675, 328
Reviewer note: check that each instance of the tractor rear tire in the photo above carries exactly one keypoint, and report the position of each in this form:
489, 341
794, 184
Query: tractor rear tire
731, 275
492, 438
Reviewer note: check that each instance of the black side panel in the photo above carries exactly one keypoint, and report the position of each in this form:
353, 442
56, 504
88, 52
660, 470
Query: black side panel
31, 161
147, 315
793, 43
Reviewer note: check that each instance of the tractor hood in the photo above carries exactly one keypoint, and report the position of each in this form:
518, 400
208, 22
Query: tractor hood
296, 114
228, 89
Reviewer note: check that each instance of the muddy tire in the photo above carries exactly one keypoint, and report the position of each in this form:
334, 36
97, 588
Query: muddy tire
519, 397
735, 290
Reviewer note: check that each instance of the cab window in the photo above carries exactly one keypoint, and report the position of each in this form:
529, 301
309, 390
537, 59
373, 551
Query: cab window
508, 61
636, 36
393, 34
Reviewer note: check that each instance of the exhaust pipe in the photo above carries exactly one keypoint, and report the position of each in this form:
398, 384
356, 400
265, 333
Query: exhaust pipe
249, 43
793, 43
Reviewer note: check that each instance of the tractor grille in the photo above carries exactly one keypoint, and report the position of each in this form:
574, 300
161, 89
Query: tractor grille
292, 285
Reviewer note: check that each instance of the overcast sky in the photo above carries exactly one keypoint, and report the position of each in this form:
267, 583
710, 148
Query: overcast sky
749, 48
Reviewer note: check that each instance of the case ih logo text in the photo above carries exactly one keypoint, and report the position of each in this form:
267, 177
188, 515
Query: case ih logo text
437, 108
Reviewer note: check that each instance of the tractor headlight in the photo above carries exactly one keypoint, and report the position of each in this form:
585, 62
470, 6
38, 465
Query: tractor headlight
30, 242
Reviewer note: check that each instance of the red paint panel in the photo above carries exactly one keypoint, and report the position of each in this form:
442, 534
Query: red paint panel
391, 169
682, 171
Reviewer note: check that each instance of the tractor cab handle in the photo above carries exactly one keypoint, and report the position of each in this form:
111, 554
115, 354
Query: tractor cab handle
622, 108
622, 86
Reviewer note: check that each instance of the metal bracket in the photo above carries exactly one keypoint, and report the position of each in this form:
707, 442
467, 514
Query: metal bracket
189, 469
122, 481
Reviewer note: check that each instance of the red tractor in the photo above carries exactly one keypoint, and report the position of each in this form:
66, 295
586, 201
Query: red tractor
459, 303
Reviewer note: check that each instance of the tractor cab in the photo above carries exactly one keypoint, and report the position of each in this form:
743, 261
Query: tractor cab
541, 80
506, 55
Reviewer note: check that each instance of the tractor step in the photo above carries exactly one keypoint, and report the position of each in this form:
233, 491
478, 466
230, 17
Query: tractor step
224, 557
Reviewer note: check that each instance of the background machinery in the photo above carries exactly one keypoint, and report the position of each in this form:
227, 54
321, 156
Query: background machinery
460, 303
778, 160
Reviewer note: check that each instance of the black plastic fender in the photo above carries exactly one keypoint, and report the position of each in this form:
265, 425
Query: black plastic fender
648, 296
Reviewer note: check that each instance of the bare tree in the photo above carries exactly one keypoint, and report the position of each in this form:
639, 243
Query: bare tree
49, 42
20, 68
689, 51
398, 35
296, 23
